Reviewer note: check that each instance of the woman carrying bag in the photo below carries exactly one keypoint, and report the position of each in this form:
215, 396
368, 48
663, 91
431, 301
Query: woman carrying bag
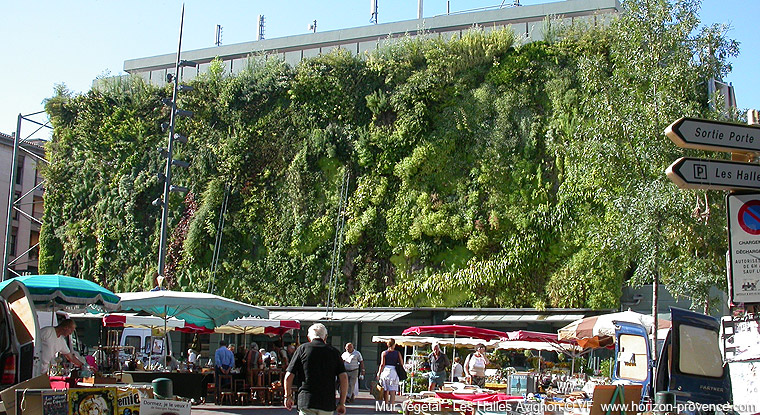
386, 372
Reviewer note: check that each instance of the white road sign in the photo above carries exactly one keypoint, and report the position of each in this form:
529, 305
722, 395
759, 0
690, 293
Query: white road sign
744, 247
692, 173
714, 135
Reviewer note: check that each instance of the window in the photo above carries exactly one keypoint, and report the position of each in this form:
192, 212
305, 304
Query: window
14, 238
699, 353
20, 170
16, 197
34, 238
632, 359
37, 207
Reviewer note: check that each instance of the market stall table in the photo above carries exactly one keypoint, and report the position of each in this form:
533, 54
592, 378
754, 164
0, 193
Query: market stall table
186, 384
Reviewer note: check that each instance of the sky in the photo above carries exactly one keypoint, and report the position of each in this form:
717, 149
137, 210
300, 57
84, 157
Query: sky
49, 42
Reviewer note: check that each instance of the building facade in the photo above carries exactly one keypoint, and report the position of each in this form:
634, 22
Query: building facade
26, 213
527, 22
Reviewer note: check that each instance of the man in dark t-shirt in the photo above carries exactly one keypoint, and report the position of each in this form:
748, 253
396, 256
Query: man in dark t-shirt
316, 364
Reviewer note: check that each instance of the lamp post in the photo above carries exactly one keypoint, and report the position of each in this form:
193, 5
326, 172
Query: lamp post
169, 151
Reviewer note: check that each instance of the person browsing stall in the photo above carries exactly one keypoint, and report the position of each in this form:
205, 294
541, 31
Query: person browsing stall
438, 364
317, 364
224, 361
475, 366
53, 341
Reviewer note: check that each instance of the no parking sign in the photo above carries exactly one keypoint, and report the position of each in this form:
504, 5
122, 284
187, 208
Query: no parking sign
744, 247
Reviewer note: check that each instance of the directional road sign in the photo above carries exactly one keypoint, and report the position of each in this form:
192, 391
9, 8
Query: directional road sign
714, 135
692, 173
744, 247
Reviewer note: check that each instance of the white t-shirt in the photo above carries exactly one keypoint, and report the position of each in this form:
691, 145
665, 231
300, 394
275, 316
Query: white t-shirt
476, 365
50, 345
457, 370
351, 360
192, 357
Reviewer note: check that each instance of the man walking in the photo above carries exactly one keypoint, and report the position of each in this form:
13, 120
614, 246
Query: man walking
317, 364
354, 363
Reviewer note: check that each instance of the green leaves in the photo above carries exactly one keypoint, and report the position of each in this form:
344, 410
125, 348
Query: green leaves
482, 172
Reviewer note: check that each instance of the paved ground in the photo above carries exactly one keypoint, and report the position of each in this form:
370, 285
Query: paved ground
363, 405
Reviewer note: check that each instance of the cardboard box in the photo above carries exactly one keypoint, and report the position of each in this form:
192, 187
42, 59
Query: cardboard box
9, 395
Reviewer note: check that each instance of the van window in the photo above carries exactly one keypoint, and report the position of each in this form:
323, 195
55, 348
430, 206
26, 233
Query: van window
632, 358
699, 352
133, 341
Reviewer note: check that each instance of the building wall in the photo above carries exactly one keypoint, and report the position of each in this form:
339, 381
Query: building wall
527, 22
26, 231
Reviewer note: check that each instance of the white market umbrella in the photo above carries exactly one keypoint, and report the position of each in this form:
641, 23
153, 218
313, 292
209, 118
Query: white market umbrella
599, 331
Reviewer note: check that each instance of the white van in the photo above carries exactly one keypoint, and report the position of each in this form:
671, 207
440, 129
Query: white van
145, 344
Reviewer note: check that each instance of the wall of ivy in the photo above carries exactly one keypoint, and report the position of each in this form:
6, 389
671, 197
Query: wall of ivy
483, 171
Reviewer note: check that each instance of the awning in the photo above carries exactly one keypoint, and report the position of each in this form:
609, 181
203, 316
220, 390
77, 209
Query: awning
343, 316
511, 317
422, 341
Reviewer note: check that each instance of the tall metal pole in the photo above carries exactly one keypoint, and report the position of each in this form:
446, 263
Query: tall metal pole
168, 170
9, 216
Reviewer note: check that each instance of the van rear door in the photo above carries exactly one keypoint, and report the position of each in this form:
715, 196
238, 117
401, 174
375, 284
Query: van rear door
632, 355
19, 332
697, 372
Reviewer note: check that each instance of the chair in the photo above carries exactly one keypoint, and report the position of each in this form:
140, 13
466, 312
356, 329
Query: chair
224, 390
259, 394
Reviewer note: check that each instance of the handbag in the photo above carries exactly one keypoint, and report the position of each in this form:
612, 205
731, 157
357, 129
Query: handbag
400, 371
377, 391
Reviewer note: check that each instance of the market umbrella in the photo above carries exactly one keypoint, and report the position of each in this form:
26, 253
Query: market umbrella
599, 331
59, 290
142, 322
456, 330
249, 325
201, 309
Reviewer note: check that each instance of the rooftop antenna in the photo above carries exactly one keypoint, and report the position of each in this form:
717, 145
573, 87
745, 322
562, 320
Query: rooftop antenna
218, 38
261, 28
373, 11
313, 27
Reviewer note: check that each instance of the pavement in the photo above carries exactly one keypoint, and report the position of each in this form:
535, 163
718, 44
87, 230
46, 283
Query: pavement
364, 404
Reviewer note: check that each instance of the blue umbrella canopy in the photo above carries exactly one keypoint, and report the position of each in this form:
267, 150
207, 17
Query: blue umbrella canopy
201, 309
65, 291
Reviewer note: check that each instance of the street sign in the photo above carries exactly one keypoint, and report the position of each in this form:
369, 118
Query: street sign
692, 173
744, 247
714, 135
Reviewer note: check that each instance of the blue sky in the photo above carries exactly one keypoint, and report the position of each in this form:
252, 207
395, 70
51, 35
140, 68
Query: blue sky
73, 42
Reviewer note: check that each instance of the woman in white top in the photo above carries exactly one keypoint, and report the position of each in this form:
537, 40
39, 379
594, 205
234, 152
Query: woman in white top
475, 367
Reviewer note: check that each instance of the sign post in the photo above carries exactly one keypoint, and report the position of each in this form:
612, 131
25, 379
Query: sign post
714, 135
744, 247
693, 173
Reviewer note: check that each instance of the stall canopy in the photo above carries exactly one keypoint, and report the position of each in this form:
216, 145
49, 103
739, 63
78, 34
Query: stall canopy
457, 331
421, 341
201, 309
599, 331
56, 291
250, 325
143, 322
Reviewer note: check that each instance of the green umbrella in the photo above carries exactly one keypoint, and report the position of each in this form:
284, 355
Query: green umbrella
60, 290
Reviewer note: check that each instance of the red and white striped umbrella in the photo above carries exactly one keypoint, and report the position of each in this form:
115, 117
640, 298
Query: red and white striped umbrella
599, 331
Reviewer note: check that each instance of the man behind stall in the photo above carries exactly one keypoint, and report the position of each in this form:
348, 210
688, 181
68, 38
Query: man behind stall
53, 341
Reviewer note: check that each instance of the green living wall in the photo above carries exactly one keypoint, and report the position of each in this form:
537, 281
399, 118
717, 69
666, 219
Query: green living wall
482, 171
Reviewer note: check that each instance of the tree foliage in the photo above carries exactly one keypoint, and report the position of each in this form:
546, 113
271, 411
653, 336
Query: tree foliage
483, 171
